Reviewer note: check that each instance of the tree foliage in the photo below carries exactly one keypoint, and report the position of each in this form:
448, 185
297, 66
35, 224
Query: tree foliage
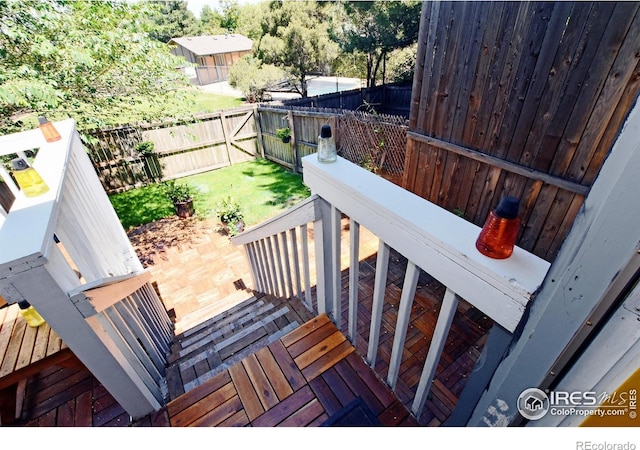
89, 60
254, 78
295, 37
170, 19
376, 28
230, 15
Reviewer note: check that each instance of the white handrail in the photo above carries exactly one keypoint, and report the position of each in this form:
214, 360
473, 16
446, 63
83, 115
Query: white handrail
301, 214
437, 241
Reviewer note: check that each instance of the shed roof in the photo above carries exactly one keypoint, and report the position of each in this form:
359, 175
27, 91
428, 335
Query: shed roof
211, 45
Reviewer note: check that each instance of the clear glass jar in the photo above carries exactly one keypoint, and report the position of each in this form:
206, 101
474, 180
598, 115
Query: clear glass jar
326, 145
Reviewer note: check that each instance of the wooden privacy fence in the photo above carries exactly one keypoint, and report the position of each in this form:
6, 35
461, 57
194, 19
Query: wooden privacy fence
524, 99
180, 149
374, 141
390, 99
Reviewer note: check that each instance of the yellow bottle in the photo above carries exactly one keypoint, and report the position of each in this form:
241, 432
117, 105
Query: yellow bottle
30, 315
30, 181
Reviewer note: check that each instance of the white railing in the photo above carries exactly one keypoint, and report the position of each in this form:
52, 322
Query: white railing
431, 238
67, 243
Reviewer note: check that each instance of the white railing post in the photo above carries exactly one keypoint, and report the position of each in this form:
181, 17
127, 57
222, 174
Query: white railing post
445, 317
305, 268
354, 276
379, 288
404, 313
335, 225
324, 249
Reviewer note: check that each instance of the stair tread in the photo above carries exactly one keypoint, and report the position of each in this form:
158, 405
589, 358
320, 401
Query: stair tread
218, 323
218, 341
236, 334
220, 307
237, 357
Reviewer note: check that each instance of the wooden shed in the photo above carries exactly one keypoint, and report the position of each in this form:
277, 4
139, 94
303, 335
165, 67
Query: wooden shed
213, 55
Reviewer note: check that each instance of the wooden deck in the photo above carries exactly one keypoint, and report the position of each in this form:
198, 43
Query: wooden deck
303, 379
71, 396
24, 351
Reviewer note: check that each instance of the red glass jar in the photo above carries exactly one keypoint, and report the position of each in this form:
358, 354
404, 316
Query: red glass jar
500, 231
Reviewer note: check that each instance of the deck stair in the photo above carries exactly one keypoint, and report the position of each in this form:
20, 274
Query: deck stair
213, 340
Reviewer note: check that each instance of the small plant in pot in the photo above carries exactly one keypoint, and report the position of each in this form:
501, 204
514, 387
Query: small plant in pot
230, 215
181, 195
284, 134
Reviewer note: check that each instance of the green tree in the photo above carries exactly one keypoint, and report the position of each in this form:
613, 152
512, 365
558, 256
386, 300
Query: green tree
169, 19
254, 78
296, 38
210, 21
230, 15
250, 19
376, 28
84, 59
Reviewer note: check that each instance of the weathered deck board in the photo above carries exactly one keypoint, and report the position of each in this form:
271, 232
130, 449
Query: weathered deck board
273, 388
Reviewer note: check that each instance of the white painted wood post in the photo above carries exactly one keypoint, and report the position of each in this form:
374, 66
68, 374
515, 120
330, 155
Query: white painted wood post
445, 317
354, 277
287, 265
305, 266
380, 285
296, 263
335, 265
404, 313
323, 248
89, 344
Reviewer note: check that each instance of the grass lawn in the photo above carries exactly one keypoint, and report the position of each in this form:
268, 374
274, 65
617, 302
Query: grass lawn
262, 188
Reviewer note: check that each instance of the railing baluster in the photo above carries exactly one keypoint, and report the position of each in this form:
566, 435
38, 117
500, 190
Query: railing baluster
278, 265
154, 303
296, 263
114, 334
150, 321
404, 313
141, 336
251, 257
335, 266
380, 282
445, 317
287, 264
262, 265
354, 276
267, 265
305, 267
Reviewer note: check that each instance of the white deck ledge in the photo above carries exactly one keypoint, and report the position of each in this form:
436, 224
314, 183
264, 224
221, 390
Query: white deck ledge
27, 231
439, 242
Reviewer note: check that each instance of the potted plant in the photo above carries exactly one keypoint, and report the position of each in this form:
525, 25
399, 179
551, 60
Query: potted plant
181, 195
284, 134
230, 215
152, 167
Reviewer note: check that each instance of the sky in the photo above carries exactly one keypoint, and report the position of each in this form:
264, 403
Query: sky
195, 6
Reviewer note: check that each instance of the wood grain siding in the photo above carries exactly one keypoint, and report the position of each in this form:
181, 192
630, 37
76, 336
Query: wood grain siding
523, 99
